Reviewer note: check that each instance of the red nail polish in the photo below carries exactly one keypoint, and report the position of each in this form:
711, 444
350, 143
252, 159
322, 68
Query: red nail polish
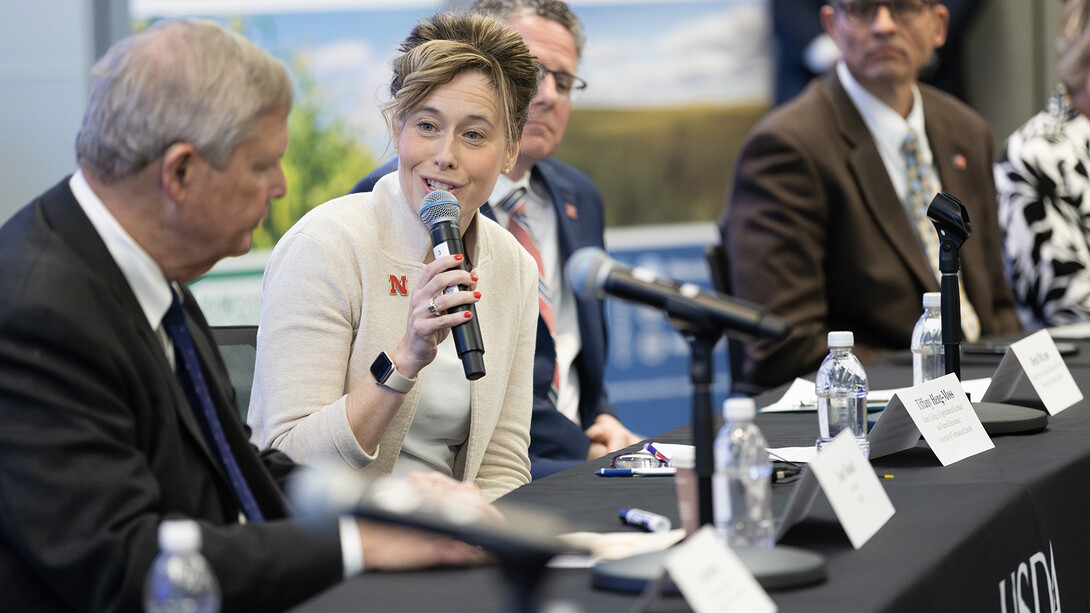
468, 314
474, 277
458, 257
477, 295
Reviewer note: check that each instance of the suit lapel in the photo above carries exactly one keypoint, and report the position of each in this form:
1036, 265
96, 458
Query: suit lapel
947, 148
63, 213
869, 171
571, 236
260, 481
215, 385
207, 353
564, 201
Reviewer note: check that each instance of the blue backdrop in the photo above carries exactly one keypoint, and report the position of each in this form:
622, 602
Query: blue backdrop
647, 374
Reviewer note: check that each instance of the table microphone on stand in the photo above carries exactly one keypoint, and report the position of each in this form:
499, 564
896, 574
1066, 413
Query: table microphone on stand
702, 318
951, 221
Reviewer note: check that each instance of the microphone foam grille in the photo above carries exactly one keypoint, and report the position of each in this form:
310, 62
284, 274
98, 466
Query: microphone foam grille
585, 270
439, 206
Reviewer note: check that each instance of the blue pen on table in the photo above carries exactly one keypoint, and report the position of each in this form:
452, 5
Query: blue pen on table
652, 522
635, 472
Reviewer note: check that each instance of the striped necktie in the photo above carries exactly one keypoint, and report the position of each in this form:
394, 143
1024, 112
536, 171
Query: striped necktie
517, 225
191, 378
920, 192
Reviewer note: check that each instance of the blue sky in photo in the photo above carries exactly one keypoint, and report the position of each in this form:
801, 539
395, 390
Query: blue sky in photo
638, 55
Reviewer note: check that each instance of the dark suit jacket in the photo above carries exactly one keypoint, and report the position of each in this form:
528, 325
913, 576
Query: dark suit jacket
99, 445
816, 232
555, 441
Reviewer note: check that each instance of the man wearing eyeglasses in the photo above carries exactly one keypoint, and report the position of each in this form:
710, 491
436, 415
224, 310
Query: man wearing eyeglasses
826, 223
554, 209
805, 51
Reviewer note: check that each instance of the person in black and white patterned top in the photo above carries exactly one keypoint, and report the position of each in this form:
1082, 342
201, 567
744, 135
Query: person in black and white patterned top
1043, 183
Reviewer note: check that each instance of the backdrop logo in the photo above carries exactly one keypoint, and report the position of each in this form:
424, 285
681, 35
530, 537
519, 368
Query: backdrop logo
1032, 584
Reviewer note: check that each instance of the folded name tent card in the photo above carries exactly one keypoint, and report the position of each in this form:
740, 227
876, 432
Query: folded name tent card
941, 413
894, 431
1036, 358
846, 471
802, 498
853, 489
712, 578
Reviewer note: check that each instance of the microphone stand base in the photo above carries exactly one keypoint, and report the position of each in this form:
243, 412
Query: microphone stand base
778, 568
999, 419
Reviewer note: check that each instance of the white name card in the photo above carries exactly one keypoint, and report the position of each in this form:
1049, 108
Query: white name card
852, 488
712, 578
1037, 357
945, 418
894, 431
798, 505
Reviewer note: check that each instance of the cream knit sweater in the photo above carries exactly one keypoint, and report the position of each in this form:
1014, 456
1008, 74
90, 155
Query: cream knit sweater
330, 306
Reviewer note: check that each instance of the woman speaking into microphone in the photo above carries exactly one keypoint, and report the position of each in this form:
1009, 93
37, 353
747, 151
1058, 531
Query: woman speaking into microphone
355, 356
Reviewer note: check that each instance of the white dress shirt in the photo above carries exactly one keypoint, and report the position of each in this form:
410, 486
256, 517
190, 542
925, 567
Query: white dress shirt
889, 130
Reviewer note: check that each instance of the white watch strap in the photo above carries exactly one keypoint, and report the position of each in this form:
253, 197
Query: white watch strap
398, 382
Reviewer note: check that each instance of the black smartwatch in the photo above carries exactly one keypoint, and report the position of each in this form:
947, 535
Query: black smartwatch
385, 373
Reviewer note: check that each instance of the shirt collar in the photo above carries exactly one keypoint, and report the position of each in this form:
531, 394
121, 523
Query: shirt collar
145, 277
886, 125
505, 185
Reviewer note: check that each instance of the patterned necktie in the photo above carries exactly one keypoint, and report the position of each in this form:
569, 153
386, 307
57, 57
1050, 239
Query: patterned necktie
918, 198
517, 225
191, 378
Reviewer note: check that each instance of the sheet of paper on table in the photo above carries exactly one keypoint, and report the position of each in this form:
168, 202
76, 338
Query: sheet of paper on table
787, 454
800, 396
613, 546
1075, 331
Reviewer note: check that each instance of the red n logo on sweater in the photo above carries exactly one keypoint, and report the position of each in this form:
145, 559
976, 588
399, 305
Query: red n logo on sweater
397, 285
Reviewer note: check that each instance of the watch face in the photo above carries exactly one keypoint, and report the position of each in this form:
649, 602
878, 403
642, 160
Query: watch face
381, 367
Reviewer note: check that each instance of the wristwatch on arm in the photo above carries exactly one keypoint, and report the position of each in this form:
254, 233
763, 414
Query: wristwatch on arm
385, 373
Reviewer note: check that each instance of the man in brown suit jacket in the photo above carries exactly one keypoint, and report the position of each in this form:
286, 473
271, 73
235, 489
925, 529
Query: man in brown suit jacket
817, 228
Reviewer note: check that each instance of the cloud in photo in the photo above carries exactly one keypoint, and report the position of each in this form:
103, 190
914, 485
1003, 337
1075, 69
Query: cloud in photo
713, 55
353, 79
717, 58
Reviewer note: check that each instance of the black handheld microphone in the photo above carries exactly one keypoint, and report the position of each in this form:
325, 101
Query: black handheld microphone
439, 210
591, 273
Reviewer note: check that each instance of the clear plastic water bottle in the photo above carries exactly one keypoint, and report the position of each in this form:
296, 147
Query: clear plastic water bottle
841, 390
928, 354
742, 483
180, 579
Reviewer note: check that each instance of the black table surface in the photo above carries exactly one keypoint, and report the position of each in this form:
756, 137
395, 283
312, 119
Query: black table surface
979, 534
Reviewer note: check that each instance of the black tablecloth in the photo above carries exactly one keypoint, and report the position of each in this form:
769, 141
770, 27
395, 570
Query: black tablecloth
1000, 528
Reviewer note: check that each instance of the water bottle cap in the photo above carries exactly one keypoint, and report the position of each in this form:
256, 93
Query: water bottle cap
179, 535
739, 409
932, 300
841, 339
